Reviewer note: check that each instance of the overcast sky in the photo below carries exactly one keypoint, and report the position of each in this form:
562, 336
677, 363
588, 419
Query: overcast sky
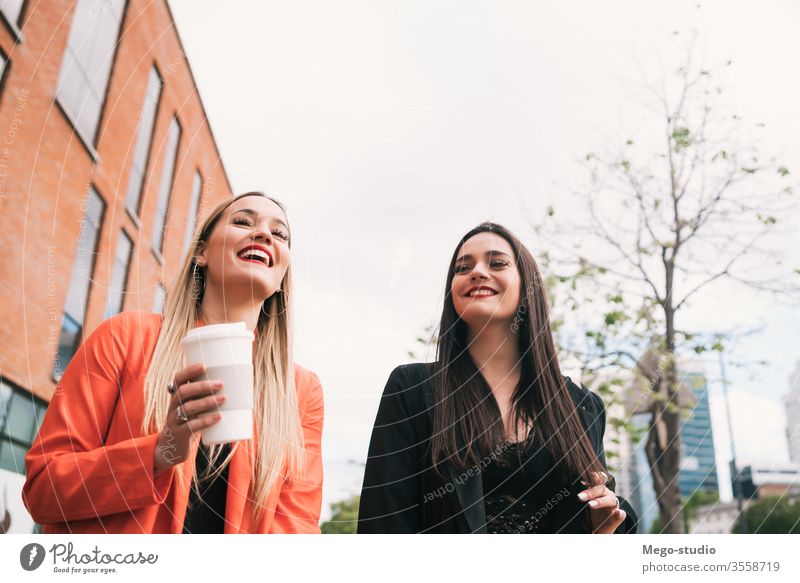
390, 129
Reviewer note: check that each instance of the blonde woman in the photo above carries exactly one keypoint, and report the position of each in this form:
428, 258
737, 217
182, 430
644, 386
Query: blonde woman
119, 449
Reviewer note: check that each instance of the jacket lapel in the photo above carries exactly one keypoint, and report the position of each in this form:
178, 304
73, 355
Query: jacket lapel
468, 488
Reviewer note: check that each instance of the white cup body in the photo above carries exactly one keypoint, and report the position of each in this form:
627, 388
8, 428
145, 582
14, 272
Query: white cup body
226, 350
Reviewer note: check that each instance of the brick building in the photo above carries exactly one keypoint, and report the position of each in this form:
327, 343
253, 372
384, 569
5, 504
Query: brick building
106, 160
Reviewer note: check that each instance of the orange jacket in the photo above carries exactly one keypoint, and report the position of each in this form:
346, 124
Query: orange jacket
90, 468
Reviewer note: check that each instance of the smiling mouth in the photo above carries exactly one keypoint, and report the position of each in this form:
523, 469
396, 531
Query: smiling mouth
481, 293
255, 256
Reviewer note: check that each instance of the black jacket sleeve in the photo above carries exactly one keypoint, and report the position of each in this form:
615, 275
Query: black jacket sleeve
630, 525
391, 492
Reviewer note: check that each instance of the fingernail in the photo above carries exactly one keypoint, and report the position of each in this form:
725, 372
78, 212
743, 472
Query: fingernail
217, 384
583, 496
593, 503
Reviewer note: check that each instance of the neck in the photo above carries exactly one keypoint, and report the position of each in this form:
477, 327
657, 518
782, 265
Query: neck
216, 310
495, 348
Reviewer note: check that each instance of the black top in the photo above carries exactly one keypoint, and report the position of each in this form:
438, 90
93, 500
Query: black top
206, 515
521, 489
403, 493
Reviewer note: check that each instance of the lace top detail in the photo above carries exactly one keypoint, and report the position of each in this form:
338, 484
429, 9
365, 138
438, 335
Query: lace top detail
521, 488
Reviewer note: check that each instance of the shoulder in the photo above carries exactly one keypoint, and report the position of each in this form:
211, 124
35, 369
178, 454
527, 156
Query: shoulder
308, 387
133, 323
413, 378
417, 373
123, 327
585, 399
407, 386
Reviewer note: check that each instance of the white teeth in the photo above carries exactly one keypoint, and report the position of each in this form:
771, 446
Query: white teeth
257, 254
482, 292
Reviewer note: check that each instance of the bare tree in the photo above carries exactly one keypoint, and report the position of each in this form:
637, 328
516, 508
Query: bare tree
668, 218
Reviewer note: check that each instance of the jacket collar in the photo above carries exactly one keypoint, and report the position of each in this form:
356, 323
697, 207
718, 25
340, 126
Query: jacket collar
468, 486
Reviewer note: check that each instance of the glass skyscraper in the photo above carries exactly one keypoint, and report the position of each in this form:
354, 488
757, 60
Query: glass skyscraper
698, 462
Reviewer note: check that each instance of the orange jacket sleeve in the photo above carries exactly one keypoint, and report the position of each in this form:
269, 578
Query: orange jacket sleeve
70, 473
300, 498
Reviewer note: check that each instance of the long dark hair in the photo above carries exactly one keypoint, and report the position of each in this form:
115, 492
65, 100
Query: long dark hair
463, 399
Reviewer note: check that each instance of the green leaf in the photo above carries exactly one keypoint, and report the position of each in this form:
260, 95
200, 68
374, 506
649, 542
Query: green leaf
783, 171
614, 317
682, 137
766, 219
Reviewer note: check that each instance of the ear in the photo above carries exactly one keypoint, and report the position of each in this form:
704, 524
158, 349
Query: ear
200, 257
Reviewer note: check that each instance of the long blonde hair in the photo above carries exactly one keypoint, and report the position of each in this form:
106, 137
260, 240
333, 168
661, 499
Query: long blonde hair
278, 436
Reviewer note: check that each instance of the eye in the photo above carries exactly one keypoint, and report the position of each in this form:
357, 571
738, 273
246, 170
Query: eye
281, 234
242, 221
499, 263
463, 268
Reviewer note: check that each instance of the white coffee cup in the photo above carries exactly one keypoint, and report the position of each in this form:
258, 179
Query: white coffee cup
226, 350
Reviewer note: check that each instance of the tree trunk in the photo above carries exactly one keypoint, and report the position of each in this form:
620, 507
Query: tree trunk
664, 440
663, 454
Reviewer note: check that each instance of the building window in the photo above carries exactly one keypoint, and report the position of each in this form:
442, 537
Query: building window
119, 277
21, 415
12, 10
158, 302
3, 69
86, 65
194, 204
165, 187
78, 292
147, 118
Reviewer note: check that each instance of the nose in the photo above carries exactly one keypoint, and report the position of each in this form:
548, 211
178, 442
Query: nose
261, 234
479, 272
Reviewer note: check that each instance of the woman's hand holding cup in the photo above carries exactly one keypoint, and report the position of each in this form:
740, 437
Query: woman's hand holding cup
192, 408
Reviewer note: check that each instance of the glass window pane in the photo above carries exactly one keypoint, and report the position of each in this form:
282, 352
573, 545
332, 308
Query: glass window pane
41, 409
12, 456
86, 63
12, 10
21, 418
194, 203
144, 136
158, 303
119, 276
5, 397
171, 153
75, 303
67, 345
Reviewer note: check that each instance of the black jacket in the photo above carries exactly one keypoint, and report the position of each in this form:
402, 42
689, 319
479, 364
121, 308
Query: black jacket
402, 493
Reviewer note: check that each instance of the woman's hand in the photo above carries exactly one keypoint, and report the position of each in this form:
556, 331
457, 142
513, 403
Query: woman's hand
190, 411
604, 513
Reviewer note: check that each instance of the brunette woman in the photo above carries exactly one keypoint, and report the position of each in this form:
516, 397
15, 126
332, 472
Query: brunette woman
119, 449
490, 438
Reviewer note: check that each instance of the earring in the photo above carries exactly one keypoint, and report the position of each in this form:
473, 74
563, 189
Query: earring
198, 282
281, 313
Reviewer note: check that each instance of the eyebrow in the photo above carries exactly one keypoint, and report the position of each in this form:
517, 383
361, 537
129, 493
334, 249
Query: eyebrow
255, 214
491, 252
